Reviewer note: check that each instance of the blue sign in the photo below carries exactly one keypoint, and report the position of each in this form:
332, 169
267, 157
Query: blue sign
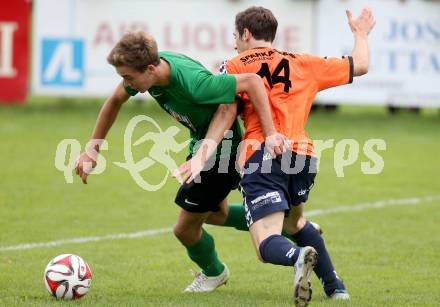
62, 62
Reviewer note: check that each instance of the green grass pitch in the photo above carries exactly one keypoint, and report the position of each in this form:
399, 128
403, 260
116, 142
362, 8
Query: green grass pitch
387, 256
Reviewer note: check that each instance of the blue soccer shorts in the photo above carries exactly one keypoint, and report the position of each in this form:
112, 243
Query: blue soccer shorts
272, 185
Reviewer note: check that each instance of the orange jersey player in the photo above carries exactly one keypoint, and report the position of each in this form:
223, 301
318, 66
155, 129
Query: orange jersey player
276, 190
292, 81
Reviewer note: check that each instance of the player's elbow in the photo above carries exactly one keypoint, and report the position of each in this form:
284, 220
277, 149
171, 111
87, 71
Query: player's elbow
361, 71
255, 80
228, 110
248, 82
360, 68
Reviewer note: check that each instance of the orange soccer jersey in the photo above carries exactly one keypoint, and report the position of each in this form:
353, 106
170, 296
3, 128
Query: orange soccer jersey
292, 81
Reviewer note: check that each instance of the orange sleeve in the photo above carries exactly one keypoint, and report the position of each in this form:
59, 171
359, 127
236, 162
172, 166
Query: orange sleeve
331, 72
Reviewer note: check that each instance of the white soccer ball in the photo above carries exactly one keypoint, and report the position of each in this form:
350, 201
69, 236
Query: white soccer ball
67, 277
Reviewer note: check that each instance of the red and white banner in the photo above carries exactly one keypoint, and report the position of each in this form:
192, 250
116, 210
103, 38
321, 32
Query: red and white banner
14, 50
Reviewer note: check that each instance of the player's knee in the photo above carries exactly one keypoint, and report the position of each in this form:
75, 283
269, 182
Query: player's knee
182, 234
217, 218
178, 232
293, 225
187, 236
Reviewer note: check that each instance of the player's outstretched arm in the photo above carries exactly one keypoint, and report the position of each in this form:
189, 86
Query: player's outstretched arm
254, 87
222, 120
361, 27
87, 160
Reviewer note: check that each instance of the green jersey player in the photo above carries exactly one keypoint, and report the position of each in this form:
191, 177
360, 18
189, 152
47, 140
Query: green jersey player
199, 100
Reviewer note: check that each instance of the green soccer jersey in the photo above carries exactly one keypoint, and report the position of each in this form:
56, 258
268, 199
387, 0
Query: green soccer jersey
193, 95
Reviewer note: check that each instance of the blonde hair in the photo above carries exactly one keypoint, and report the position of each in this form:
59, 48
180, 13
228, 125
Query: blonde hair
136, 50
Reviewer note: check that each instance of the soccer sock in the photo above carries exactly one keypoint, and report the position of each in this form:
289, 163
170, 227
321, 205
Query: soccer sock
203, 253
288, 236
309, 236
278, 250
236, 217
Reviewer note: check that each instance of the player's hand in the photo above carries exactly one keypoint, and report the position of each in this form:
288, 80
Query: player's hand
182, 173
276, 143
84, 166
363, 24
189, 170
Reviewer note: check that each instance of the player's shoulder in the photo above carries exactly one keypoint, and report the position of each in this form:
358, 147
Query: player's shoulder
242, 61
229, 66
300, 58
172, 54
253, 53
236, 59
295, 56
167, 55
179, 58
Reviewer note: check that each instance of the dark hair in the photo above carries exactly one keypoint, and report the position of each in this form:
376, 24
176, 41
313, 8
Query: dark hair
259, 21
136, 50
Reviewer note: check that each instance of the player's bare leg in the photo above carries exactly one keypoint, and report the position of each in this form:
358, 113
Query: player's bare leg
230, 215
264, 228
295, 220
201, 249
188, 228
219, 217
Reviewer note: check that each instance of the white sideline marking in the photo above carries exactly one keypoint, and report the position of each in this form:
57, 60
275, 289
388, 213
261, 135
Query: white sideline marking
152, 232
139, 234
376, 204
